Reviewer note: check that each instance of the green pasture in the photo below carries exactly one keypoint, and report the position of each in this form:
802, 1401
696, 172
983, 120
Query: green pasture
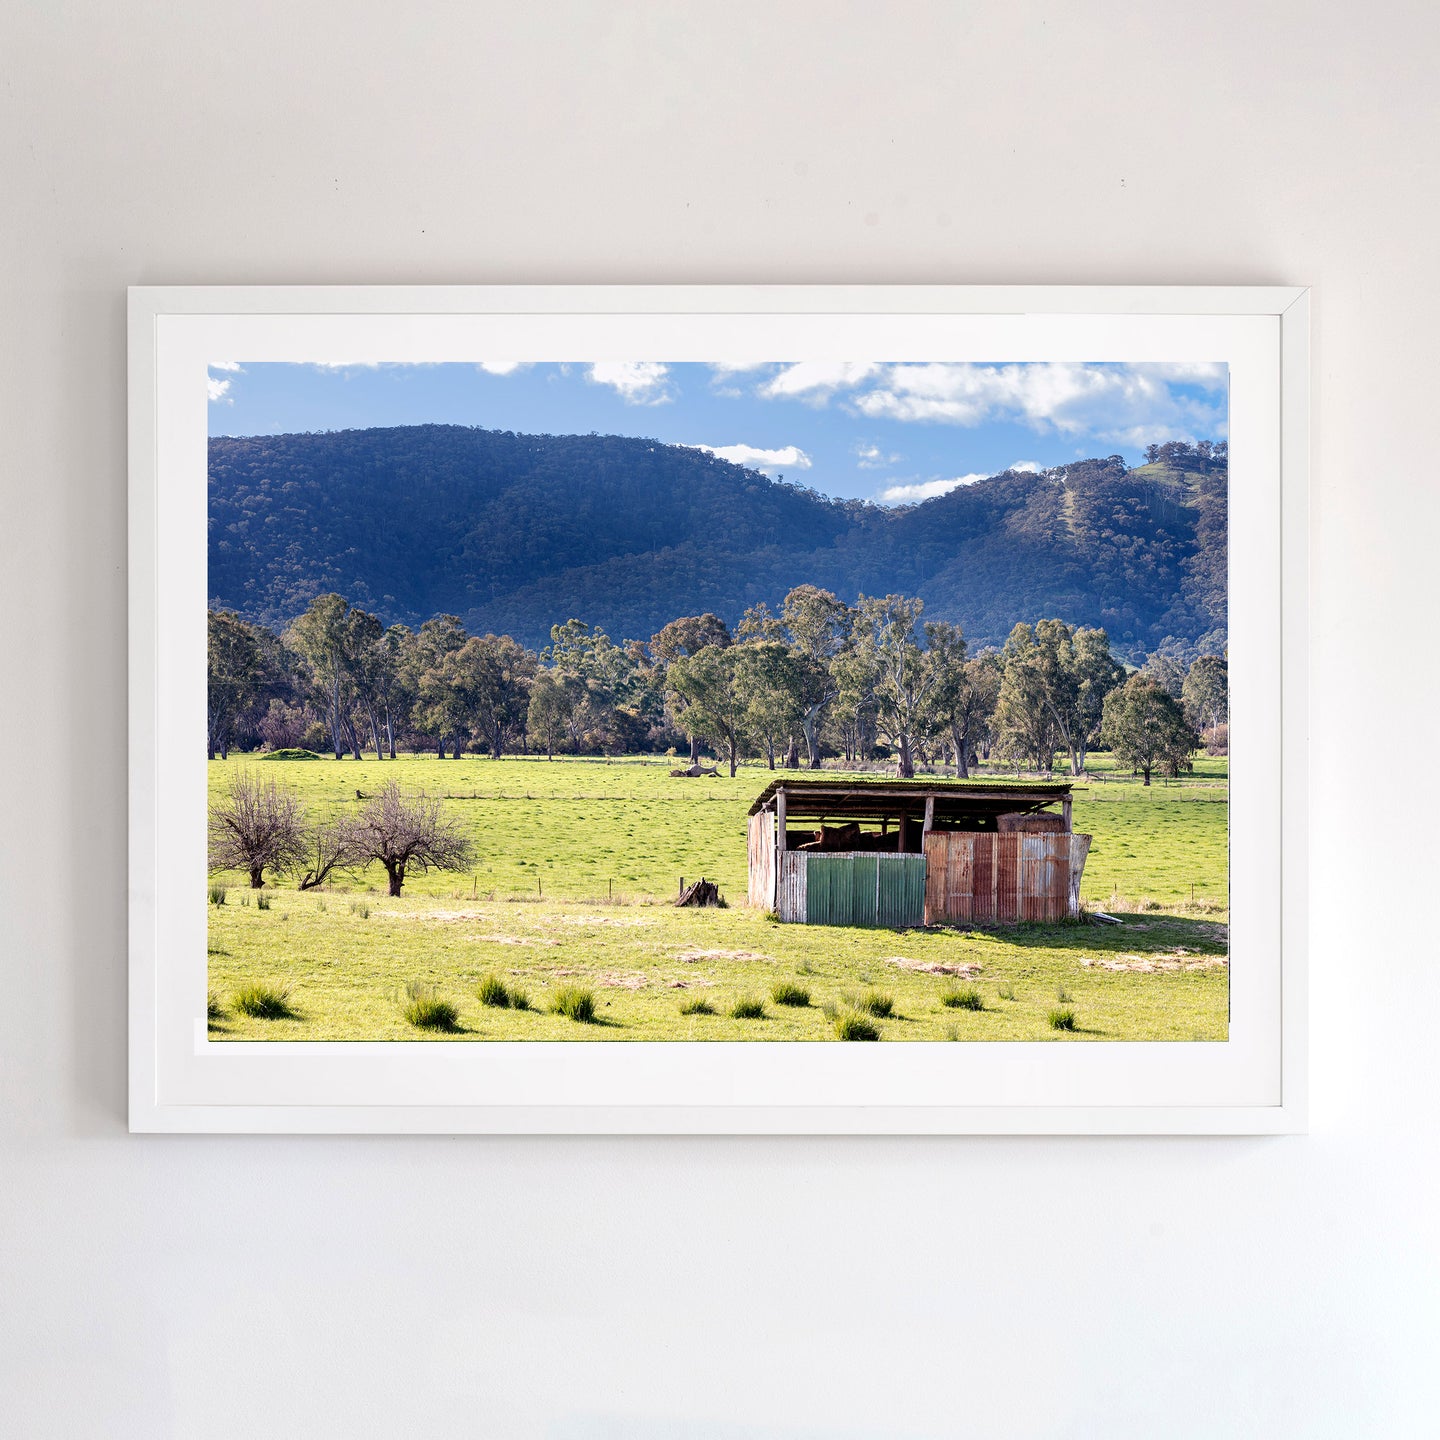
576, 861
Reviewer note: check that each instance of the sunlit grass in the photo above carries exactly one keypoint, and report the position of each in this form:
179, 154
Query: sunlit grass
348, 951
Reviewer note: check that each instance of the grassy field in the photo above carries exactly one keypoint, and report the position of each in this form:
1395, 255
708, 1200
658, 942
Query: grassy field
576, 862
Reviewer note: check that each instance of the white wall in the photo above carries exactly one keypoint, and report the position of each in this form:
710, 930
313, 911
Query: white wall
252, 1287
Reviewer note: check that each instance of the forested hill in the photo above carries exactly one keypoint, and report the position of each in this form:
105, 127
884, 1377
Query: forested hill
516, 532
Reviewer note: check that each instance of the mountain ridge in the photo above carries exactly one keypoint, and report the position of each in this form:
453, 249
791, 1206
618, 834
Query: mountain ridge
516, 532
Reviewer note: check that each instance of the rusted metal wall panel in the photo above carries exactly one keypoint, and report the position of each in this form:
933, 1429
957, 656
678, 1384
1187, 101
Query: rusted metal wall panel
982, 879
1036, 824
977, 878
791, 898
1007, 877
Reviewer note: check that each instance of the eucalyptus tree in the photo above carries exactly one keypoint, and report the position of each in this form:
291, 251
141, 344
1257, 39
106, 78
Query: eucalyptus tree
687, 636
439, 710
772, 678
711, 698
965, 692
1146, 729
490, 676
884, 635
1206, 694
234, 672
819, 627
323, 637
550, 709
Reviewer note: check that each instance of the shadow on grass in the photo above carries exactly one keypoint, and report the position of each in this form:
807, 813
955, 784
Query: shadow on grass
1136, 934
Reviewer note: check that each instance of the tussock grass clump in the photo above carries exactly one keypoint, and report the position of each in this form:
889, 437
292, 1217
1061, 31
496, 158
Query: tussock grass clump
873, 1002
262, 902
574, 1002
748, 1007
426, 1010
787, 994
264, 1002
1062, 1018
963, 997
360, 909
1006, 992
214, 1007
852, 1025
1062, 994
217, 894
697, 1006
493, 991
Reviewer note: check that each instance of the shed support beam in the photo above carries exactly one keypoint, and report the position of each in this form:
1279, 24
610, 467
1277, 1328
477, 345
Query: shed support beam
780, 818
1065, 809
929, 819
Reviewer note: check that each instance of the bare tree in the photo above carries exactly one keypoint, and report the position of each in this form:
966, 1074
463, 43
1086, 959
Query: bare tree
326, 847
407, 831
258, 826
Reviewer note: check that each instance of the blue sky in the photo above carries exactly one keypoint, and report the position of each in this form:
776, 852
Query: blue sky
889, 432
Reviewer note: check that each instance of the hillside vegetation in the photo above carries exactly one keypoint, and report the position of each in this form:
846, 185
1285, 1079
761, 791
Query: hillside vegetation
512, 532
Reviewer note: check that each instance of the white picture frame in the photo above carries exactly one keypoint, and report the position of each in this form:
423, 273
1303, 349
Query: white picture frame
1253, 1083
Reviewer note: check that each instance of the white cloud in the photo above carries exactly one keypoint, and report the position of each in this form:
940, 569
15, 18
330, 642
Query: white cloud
817, 380
225, 365
1118, 404
909, 492
502, 367
637, 382
917, 490
218, 389
787, 457
872, 457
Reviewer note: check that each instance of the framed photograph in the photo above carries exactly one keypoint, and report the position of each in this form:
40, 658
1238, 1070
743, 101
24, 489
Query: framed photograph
615, 709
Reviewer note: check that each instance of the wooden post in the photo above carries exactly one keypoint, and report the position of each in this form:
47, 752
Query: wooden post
929, 821
1065, 811
780, 819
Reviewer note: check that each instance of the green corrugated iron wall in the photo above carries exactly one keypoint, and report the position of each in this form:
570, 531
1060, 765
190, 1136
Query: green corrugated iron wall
860, 889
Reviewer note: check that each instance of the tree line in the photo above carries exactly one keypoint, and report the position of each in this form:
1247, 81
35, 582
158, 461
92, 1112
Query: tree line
863, 682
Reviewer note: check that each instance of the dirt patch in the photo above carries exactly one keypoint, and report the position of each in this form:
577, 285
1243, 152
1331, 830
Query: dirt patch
597, 920
1166, 961
965, 968
514, 940
440, 917
621, 980
691, 956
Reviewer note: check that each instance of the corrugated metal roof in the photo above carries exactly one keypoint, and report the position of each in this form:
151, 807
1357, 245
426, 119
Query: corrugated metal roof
859, 795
